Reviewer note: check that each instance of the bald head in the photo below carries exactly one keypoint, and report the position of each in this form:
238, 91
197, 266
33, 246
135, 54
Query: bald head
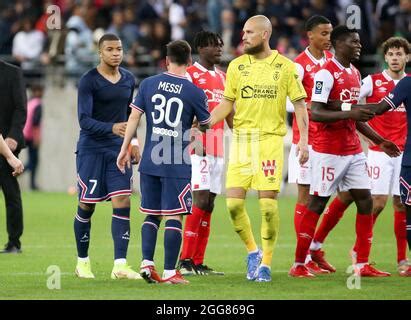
256, 36
260, 23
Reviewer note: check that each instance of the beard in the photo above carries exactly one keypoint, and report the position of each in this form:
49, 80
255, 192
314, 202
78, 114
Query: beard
254, 50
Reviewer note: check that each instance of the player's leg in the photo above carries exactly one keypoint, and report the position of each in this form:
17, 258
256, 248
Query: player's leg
176, 201
216, 173
400, 231
332, 215
118, 187
327, 172
200, 183
151, 207
82, 227
239, 176
91, 190
357, 181
405, 191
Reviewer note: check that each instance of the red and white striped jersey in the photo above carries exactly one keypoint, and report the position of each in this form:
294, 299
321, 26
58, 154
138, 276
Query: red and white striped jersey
391, 125
307, 66
335, 82
212, 82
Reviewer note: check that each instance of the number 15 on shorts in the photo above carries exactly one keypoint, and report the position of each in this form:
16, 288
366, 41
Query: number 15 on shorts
327, 174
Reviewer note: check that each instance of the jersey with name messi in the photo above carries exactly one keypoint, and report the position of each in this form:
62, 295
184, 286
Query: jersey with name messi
101, 104
170, 103
259, 88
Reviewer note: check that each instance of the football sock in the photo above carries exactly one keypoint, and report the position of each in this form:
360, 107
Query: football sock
120, 231
82, 226
331, 216
149, 236
400, 231
298, 213
241, 222
305, 234
363, 229
191, 226
172, 243
202, 238
409, 230
270, 224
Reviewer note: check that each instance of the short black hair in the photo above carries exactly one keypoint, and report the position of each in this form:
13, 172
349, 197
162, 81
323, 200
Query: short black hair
108, 37
314, 21
179, 52
340, 33
207, 38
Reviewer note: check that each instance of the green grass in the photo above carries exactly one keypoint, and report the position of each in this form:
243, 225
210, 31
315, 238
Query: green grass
48, 240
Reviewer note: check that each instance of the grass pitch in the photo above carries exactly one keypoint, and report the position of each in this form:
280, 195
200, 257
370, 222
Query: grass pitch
48, 240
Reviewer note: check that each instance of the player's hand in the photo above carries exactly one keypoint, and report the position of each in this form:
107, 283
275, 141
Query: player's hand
120, 128
390, 148
302, 151
135, 154
196, 141
360, 114
123, 160
11, 143
16, 164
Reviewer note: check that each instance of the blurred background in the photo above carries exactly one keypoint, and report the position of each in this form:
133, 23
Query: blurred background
55, 53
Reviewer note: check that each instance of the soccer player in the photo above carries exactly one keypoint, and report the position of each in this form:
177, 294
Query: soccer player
104, 94
400, 96
308, 63
340, 164
170, 102
12, 160
208, 165
259, 82
383, 170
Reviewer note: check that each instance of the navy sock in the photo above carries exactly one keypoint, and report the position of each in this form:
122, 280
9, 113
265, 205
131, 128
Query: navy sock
409, 230
172, 243
120, 231
149, 236
82, 226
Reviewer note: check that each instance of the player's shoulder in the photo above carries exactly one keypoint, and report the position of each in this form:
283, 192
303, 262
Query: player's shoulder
240, 62
87, 79
302, 58
406, 81
328, 54
9, 67
127, 73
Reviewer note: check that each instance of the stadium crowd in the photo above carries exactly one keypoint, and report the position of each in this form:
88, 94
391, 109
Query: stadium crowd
146, 26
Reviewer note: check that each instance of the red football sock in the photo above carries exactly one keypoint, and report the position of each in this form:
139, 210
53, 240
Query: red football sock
202, 238
298, 214
363, 229
331, 216
400, 230
191, 228
305, 234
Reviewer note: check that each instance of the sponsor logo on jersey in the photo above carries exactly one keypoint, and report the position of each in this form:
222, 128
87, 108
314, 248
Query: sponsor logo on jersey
196, 75
268, 167
308, 68
337, 74
318, 87
241, 67
276, 76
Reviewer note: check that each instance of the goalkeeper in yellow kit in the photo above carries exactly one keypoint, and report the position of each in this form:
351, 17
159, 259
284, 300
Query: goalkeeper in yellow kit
258, 82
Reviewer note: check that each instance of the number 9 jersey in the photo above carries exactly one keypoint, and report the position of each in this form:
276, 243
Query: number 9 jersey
170, 103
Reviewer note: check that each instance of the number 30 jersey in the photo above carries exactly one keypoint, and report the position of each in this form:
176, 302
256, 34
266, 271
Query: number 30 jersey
170, 103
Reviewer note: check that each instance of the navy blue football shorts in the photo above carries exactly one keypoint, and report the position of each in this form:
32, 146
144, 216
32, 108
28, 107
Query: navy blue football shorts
405, 185
165, 196
98, 177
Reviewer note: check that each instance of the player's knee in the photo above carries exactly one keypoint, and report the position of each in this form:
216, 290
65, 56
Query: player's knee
201, 203
235, 207
396, 203
87, 206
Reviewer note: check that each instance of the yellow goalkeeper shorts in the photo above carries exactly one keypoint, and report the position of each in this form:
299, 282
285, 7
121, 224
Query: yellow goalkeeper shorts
256, 164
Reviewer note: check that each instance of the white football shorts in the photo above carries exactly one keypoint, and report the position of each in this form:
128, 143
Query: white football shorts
207, 173
297, 173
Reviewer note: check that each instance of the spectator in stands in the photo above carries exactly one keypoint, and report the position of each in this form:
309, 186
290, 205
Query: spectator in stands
177, 19
79, 47
127, 33
28, 45
32, 131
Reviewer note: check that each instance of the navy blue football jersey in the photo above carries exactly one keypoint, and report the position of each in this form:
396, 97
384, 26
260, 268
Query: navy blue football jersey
170, 103
402, 95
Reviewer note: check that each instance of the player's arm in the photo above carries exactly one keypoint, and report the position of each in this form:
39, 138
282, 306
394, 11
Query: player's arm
301, 117
13, 161
389, 147
222, 111
230, 119
123, 158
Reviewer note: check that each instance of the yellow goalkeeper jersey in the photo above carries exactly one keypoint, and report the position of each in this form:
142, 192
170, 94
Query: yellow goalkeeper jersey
259, 88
